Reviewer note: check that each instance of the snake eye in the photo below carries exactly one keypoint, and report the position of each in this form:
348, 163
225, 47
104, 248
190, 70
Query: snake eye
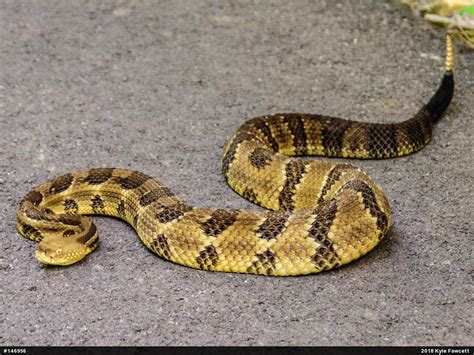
58, 251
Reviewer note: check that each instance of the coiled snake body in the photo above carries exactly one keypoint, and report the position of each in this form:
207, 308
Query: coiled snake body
322, 214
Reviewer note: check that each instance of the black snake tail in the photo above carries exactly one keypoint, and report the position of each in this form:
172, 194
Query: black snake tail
442, 98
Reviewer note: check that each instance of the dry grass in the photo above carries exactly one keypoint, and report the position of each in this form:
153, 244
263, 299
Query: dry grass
456, 15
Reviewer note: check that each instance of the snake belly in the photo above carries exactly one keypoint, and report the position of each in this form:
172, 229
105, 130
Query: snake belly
320, 214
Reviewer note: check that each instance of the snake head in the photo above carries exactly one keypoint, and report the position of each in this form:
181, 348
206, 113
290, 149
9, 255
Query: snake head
64, 250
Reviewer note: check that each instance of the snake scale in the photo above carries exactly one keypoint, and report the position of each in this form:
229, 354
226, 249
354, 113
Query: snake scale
320, 214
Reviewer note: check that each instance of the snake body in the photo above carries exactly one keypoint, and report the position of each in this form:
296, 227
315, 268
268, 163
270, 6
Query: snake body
320, 214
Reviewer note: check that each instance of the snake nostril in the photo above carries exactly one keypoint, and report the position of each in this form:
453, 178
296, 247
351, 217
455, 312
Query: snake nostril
42, 248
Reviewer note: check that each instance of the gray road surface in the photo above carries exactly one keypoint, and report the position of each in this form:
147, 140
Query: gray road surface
159, 87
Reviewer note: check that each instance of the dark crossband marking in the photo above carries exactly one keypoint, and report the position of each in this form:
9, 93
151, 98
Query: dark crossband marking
121, 208
97, 204
31, 232
170, 213
356, 138
325, 215
152, 196
273, 225
370, 202
86, 238
98, 176
68, 219
70, 206
296, 127
260, 124
60, 184
260, 157
382, 140
250, 194
264, 264
135, 220
325, 257
232, 150
332, 177
414, 130
425, 123
390, 137
35, 197
207, 258
134, 180
294, 172
160, 246
220, 220
332, 134
35, 214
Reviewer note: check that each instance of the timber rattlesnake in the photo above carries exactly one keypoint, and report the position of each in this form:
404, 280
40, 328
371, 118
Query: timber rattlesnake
323, 214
